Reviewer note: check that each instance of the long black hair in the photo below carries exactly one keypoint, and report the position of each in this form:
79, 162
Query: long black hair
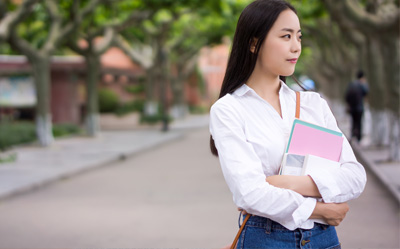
253, 26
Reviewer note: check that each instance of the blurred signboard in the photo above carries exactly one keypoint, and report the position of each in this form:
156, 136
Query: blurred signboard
17, 91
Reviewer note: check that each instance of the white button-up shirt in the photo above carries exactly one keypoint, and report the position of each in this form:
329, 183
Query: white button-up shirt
251, 137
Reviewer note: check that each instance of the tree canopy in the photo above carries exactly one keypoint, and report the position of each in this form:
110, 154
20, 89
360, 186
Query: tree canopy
164, 36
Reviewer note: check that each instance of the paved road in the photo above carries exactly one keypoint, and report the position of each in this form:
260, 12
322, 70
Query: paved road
171, 197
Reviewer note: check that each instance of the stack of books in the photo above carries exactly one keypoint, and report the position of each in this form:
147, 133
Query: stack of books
311, 146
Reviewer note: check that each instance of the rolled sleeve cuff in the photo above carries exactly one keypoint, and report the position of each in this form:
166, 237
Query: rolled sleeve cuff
304, 211
327, 186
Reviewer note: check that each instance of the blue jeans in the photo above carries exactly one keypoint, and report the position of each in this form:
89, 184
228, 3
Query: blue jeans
262, 232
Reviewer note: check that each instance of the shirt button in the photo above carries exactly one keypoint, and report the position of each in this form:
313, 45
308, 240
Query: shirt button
304, 242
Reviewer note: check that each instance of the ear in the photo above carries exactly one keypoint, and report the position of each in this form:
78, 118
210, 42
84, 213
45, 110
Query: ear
253, 45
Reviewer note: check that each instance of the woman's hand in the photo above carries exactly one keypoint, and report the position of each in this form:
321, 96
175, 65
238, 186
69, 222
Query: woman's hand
303, 185
332, 213
243, 211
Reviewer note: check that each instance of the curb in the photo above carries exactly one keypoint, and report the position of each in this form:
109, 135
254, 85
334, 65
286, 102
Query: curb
378, 173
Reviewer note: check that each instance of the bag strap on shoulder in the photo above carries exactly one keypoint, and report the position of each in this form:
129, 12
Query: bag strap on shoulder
297, 105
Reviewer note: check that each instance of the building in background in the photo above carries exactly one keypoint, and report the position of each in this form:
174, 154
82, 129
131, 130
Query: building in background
68, 91
212, 63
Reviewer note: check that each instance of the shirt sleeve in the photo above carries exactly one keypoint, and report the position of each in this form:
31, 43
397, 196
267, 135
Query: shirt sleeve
243, 173
347, 182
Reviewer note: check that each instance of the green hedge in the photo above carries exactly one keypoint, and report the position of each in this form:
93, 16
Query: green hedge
15, 133
135, 89
108, 101
133, 106
60, 130
198, 109
153, 119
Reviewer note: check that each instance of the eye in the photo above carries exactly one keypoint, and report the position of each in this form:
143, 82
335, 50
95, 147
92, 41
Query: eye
287, 36
300, 37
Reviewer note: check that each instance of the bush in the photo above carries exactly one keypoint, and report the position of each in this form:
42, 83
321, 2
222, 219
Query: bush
198, 109
16, 133
135, 89
65, 129
133, 106
108, 101
153, 119
13, 133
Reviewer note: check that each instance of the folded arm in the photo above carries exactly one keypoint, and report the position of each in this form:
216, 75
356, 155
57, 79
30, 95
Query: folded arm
243, 172
303, 185
332, 185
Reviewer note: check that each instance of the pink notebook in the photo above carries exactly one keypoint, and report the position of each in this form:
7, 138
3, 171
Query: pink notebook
307, 138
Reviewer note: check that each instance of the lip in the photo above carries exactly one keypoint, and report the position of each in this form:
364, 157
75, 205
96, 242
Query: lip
293, 60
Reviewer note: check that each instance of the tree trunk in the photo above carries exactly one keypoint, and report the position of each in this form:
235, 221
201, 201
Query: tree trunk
391, 51
394, 143
376, 96
163, 76
185, 67
179, 108
92, 109
41, 73
150, 105
379, 128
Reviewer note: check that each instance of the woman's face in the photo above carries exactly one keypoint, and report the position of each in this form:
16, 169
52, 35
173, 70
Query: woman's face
282, 47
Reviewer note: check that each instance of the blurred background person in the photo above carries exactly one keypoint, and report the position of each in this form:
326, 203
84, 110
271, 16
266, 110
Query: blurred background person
355, 93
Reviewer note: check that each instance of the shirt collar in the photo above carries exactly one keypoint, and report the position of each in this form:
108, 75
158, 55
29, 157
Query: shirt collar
242, 90
245, 89
285, 88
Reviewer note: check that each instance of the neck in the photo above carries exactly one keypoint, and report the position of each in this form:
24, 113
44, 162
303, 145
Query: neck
264, 85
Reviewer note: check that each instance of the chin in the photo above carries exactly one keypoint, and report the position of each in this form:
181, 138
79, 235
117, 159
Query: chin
286, 74
288, 71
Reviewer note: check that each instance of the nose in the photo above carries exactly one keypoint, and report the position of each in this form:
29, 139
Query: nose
296, 45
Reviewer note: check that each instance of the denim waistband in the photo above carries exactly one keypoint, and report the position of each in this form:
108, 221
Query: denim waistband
268, 224
262, 222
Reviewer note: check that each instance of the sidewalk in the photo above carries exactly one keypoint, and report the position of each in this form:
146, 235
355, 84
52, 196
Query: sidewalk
36, 166
375, 159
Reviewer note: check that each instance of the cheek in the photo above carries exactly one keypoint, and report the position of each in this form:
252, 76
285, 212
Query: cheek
273, 57
275, 51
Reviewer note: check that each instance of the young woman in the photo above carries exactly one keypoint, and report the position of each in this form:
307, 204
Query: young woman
250, 126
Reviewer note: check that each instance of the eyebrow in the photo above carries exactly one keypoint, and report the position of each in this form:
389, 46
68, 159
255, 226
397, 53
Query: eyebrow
290, 30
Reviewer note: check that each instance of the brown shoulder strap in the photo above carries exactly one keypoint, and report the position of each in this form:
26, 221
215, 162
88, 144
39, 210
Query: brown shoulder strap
233, 246
297, 105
